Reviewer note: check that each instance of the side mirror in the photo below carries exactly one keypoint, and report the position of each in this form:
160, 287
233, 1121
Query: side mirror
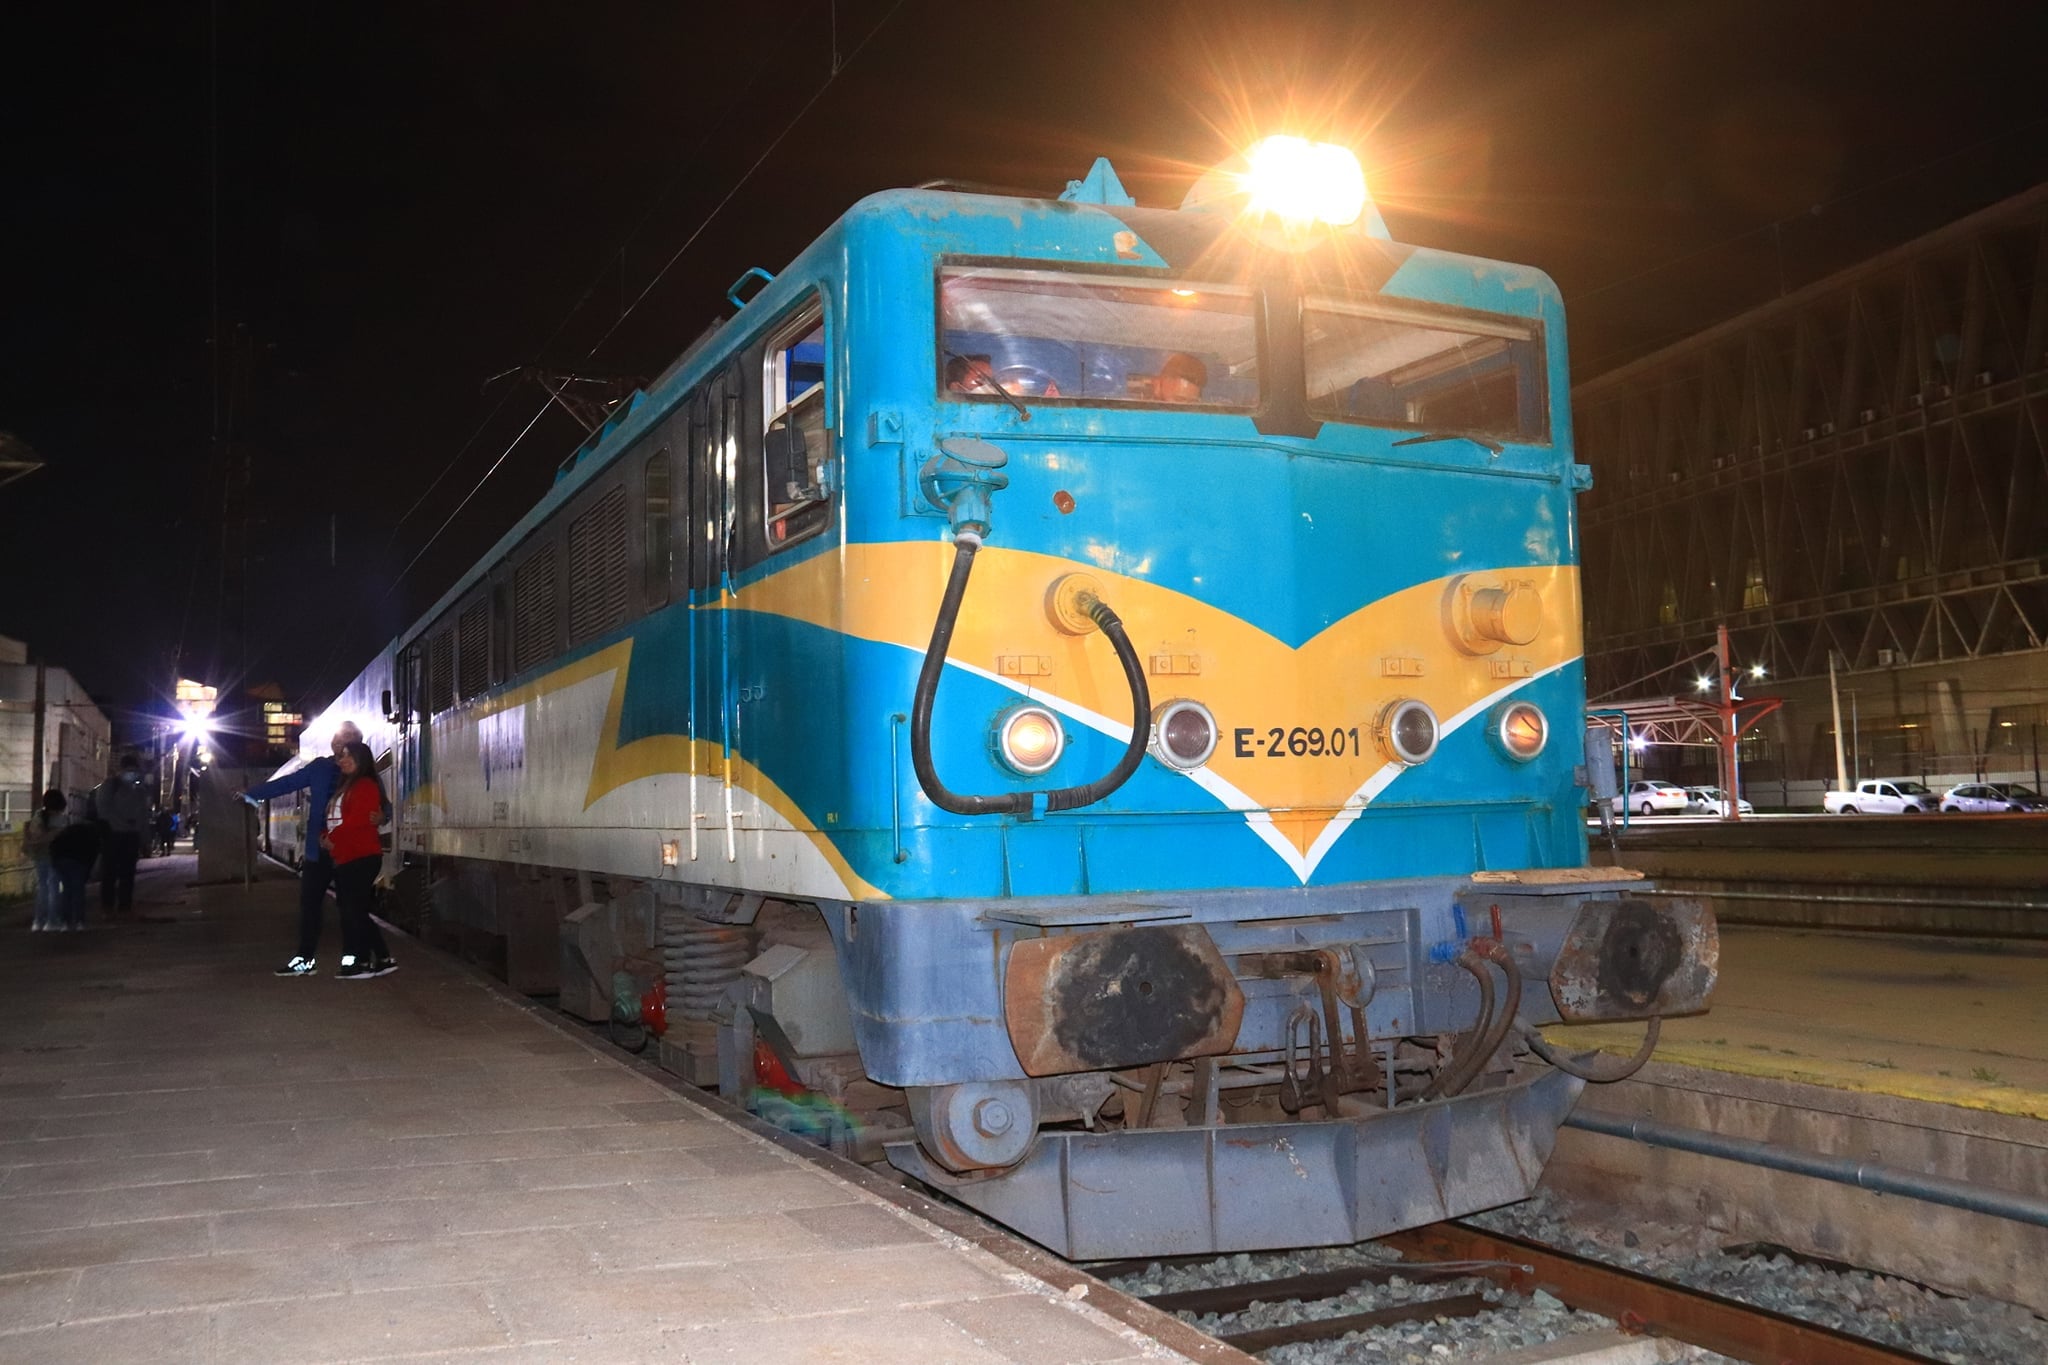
788, 463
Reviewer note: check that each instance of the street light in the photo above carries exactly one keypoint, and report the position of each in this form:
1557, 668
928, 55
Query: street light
1756, 670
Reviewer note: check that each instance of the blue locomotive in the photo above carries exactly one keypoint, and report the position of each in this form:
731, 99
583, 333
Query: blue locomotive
1093, 691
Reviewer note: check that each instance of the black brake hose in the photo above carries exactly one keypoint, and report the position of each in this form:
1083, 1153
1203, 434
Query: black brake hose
1447, 1079
1018, 803
1583, 1066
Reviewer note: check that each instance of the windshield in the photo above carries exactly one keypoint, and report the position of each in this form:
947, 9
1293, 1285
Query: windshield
1041, 334
1912, 789
2013, 789
1446, 373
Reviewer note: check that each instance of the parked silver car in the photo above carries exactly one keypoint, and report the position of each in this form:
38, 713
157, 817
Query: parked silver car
1711, 801
1985, 797
1651, 798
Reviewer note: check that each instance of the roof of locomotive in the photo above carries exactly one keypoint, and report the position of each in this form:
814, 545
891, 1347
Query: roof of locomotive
1086, 226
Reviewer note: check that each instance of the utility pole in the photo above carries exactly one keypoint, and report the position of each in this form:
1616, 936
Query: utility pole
1835, 696
1731, 779
35, 762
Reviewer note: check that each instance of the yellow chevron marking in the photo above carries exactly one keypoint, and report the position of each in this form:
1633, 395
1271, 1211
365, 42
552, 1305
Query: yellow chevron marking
614, 765
1251, 680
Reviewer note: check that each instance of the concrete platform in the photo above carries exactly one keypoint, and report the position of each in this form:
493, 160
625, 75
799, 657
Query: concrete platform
1904, 1051
200, 1161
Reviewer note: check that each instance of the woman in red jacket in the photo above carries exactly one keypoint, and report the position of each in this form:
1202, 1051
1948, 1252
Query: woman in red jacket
352, 841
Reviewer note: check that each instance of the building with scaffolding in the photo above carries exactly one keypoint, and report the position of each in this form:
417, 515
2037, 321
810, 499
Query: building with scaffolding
1854, 470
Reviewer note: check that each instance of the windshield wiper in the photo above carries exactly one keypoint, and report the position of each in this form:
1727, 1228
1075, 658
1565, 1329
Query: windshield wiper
982, 379
1490, 447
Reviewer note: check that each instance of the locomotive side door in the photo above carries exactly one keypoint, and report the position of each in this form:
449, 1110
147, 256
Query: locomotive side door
715, 438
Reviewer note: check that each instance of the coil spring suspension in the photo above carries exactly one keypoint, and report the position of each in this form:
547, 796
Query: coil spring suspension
700, 959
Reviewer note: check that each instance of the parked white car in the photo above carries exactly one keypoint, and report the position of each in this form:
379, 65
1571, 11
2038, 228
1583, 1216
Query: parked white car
1711, 801
1881, 796
1651, 798
1985, 797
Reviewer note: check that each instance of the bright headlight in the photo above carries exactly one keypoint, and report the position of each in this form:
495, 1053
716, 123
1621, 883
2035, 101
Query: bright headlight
1305, 182
1029, 739
1522, 730
1408, 731
1183, 734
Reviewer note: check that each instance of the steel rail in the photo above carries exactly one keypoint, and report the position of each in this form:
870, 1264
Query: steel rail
1641, 1303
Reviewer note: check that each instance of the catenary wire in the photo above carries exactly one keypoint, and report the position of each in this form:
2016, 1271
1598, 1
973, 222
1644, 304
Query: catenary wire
839, 65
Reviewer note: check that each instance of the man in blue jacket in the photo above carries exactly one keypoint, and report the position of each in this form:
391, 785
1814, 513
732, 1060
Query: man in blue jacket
316, 870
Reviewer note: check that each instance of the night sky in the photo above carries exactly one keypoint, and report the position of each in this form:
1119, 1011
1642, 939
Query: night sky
413, 199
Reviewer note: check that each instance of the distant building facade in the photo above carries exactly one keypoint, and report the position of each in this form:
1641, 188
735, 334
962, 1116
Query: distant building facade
77, 748
1856, 470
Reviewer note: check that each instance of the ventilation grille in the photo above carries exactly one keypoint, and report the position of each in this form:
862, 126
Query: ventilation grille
597, 568
441, 671
533, 610
473, 648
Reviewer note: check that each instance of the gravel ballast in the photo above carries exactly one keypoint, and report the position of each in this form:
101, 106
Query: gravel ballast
1967, 1331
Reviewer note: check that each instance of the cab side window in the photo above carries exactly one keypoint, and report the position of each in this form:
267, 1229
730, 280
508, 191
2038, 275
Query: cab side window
796, 442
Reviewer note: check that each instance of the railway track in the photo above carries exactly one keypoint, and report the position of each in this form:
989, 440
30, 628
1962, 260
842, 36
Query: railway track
1454, 1253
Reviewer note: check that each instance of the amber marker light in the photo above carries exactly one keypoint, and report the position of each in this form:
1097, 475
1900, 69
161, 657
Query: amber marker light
1522, 730
1300, 181
1029, 739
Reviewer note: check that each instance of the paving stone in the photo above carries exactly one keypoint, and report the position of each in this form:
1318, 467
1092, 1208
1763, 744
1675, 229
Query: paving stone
23, 1251
328, 1225
551, 1310
545, 1209
756, 1158
194, 1197
839, 1339
31, 1301
43, 1212
859, 1281
155, 1337
474, 1259
858, 1225
796, 1187
54, 1178
112, 1291
654, 1111
351, 1326
677, 1237
441, 1180
604, 1168
1029, 1327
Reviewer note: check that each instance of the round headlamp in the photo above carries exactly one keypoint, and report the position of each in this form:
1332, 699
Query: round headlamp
1521, 730
1183, 734
1408, 731
1029, 740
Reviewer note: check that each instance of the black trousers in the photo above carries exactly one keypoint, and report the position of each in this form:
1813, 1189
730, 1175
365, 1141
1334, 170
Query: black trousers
315, 875
117, 871
354, 888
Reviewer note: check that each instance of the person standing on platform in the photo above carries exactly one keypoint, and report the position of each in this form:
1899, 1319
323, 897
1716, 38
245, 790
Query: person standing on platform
73, 849
36, 837
122, 804
318, 780
357, 851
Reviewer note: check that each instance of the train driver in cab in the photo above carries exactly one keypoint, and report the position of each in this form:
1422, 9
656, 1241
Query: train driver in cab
970, 374
1181, 379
